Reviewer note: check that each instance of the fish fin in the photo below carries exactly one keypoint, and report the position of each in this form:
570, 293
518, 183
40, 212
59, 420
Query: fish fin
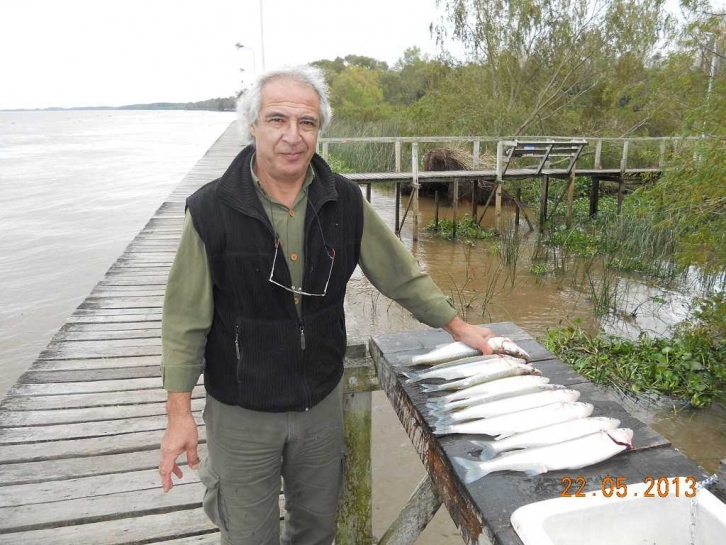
473, 471
444, 430
488, 449
443, 420
504, 435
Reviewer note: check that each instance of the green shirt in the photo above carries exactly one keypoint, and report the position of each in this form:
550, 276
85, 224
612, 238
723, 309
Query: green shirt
189, 304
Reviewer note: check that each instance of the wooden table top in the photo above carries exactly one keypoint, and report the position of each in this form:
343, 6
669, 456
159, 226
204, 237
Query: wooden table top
482, 509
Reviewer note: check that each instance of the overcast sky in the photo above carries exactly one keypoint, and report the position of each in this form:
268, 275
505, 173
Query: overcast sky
112, 52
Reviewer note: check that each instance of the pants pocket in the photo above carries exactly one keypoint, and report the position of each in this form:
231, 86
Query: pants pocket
213, 503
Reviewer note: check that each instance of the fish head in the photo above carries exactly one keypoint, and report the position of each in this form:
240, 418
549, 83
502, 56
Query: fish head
622, 436
607, 423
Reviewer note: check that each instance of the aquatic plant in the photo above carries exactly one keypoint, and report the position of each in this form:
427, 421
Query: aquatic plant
466, 229
691, 365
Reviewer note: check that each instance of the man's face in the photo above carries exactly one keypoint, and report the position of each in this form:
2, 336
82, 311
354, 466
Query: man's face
286, 130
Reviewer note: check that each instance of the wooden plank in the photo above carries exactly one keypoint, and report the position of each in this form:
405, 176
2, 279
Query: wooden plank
40, 377
132, 397
89, 414
152, 331
87, 487
84, 430
85, 387
95, 363
76, 351
87, 466
123, 531
76, 448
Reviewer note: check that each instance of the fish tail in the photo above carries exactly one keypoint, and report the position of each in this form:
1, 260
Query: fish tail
444, 430
431, 388
444, 420
488, 449
473, 471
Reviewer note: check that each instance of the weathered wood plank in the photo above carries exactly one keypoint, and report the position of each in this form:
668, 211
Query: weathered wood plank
82, 430
95, 363
150, 332
84, 387
124, 531
90, 414
116, 318
122, 302
75, 351
87, 487
87, 466
34, 376
76, 448
77, 401
414, 517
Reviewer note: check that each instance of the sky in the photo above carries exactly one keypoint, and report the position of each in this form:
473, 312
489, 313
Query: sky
70, 53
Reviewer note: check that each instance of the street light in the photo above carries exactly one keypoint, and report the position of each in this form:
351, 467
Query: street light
251, 50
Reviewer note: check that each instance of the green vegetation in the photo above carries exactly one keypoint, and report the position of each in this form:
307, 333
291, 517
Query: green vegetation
691, 365
466, 229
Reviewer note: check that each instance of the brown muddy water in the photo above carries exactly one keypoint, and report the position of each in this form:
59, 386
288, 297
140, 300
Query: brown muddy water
487, 291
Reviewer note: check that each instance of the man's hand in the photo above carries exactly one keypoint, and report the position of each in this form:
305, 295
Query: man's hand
181, 436
474, 336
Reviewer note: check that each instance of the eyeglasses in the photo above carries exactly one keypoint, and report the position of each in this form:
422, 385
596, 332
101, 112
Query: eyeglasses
329, 251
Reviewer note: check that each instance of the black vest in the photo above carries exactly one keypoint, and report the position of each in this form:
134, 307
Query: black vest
260, 355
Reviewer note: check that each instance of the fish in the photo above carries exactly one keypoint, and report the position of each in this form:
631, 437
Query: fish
436, 407
557, 433
457, 350
509, 406
508, 424
480, 378
508, 383
574, 454
490, 367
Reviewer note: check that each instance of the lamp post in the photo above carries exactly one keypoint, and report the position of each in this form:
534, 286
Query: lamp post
251, 50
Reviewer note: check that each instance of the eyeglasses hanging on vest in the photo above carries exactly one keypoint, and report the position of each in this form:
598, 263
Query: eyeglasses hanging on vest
330, 252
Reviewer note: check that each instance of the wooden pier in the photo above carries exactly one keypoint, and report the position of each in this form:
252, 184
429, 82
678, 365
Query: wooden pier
481, 510
614, 160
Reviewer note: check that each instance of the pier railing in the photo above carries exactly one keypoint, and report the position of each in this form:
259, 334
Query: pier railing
617, 160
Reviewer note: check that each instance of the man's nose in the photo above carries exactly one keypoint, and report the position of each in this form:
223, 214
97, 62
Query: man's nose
291, 132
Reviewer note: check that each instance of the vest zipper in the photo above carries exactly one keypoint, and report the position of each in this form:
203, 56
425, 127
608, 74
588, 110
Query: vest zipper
304, 377
237, 353
302, 335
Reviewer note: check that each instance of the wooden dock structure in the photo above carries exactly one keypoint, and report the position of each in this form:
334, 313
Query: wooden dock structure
616, 160
482, 510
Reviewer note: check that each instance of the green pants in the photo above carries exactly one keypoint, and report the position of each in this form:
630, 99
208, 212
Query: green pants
248, 452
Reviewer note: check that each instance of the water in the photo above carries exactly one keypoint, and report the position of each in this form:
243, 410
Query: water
75, 188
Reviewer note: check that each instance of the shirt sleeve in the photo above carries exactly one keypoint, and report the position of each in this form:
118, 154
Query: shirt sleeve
395, 273
187, 315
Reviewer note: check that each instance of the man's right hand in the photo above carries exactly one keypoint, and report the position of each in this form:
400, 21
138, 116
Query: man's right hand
181, 436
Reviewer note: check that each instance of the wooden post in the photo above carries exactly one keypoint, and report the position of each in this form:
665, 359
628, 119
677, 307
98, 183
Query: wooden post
594, 195
398, 185
498, 194
456, 205
415, 516
570, 198
355, 509
368, 192
661, 154
543, 203
518, 195
475, 183
623, 168
325, 151
436, 212
414, 172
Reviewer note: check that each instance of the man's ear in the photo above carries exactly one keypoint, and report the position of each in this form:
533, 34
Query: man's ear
252, 129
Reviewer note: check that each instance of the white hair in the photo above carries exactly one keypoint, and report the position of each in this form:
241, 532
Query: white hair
250, 103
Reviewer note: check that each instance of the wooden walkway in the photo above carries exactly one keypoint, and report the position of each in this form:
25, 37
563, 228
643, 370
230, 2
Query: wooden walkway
80, 432
482, 509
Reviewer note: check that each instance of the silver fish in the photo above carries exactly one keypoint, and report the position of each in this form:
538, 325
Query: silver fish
448, 352
440, 407
509, 383
509, 406
574, 454
458, 350
521, 421
548, 435
483, 367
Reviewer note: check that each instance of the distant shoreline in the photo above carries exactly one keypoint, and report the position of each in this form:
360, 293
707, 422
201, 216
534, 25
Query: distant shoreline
213, 105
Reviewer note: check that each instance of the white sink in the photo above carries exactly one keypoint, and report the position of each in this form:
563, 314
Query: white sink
631, 520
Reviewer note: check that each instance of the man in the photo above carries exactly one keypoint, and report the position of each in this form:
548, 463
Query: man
256, 293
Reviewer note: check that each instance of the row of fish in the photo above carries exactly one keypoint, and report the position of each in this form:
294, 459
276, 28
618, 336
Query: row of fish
536, 426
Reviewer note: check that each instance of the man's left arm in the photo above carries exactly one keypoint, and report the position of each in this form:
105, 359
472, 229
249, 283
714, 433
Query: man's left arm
395, 273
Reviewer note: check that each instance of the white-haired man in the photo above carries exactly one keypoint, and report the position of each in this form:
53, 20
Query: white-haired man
255, 300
